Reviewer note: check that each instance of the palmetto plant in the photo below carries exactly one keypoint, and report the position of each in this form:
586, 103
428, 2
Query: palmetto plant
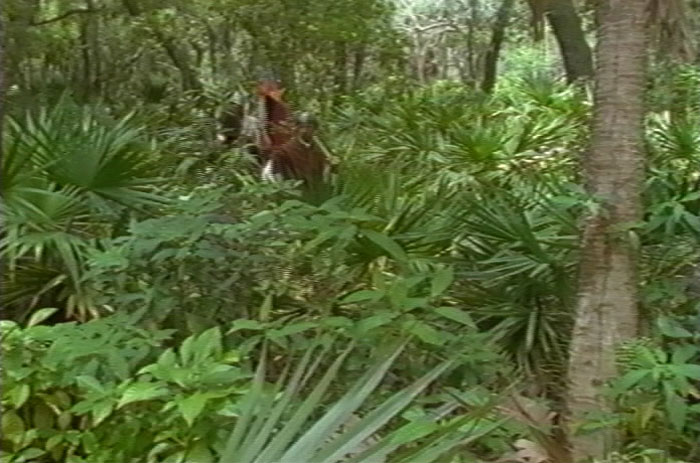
517, 262
292, 423
67, 178
673, 187
483, 186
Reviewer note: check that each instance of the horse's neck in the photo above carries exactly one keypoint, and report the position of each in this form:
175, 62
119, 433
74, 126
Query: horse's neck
276, 112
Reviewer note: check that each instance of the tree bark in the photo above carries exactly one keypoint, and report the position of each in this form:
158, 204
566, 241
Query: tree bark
566, 24
606, 309
497, 36
212, 43
340, 71
471, 28
87, 64
2, 84
358, 65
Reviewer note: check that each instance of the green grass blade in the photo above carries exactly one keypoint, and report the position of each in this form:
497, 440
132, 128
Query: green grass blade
374, 420
249, 402
341, 410
269, 418
280, 442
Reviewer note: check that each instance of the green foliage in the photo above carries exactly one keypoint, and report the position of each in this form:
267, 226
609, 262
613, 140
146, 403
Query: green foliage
657, 390
263, 434
108, 390
451, 221
68, 176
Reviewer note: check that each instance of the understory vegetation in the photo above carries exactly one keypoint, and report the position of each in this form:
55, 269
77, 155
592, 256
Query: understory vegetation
162, 304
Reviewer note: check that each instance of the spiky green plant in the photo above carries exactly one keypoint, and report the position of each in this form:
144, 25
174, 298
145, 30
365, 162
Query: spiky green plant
292, 423
67, 177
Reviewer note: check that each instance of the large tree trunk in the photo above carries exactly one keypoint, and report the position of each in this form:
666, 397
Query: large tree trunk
497, 36
607, 301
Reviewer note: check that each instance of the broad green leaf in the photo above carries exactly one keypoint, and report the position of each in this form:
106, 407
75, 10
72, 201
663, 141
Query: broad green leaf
31, 453
441, 281
691, 371
425, 332
295, 328
100, 411
413, 431
40, 315
671, 328
375, 321
362, 295
64, 419
53, 441
90, 383
12, 426
337, 322
676, 408
207, 344
323, 237
222, 374
200, 453
167, 359
19, 395
137, 392
157, 450
398, 293
90, 442
457, 315
245, 325
387, 244
682, 354
118, 365
190, 407
43, 416
187, 350
629, 380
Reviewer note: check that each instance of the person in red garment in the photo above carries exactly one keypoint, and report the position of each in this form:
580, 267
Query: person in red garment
286, 147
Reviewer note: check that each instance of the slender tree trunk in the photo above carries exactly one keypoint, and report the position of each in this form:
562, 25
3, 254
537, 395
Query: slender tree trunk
340, 71
2, 84
178, 55
89, 41
607, 311
430, 65
358, 65
498, 34
86, 90
471, 27
212, 43
576, 53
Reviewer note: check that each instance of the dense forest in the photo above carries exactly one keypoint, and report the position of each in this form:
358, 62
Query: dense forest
359, 231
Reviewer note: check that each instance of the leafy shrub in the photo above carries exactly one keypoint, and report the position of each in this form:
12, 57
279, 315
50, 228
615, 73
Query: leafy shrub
68, 176
107, 391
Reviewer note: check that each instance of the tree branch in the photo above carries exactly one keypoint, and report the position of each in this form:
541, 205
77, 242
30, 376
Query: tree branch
63, 16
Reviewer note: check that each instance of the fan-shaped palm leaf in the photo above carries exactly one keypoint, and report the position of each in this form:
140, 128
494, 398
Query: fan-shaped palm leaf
67, 176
